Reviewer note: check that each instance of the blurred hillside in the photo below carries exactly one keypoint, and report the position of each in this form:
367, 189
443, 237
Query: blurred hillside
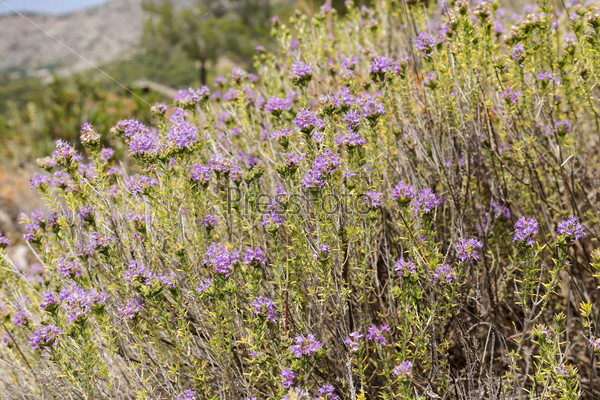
95, 36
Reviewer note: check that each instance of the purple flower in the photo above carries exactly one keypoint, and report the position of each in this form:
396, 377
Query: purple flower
352, 118
467, 249
276, 106
86, 213
68, 268
4, 241
129, 128
88, 136
426, 42
78, 302
143, 142
140, 184
327, 392
403, 370
344, 99
287, 376
404, 267
444, 272
50, 302
352, 341
204, 285
282, 136
324, 165
255, 256
511, 94
301, 74
562, 127
376, 334
322, 253
131, 308
45, 336
525, 228
305, 346
595, 344
571, 229
307, 121
238, 74
373, 199
403, 193
210, 221
182, 134
40, 181
426, 201
371, 108
544, 334
220, 259
64, 153
518, 52
379, 67
32, 232
190, 97
265, 307
201, 173
20, 318
187, 395
351, 139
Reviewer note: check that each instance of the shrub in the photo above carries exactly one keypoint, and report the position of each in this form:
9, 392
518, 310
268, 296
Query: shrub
400, 204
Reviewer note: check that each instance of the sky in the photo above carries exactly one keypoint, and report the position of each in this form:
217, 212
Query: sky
47, 6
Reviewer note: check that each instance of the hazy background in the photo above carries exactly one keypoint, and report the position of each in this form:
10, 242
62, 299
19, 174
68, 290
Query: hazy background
46, 6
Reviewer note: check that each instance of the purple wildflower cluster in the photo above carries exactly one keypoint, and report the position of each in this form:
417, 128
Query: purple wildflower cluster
307, 121
443, 272
4, 241
64, 154
287, 377
266, 308
380, 66
404, 267
426, 42
525, 229
276, 106
467, 249
352, 341
327, 392
403, 371
78, 302
191, 97
305, 345
425, 201
221, 259
138, 274
403, 193
511, 95
131, 308
301, 74
255, 256
571, 229
45, 336
375, 334
182, 135
272, 220
373, 199
201, 174
324, 165
187, 395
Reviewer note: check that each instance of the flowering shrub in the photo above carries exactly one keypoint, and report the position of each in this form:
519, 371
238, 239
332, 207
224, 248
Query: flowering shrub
401, 204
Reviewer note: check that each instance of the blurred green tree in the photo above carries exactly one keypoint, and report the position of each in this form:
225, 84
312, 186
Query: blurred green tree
206, 29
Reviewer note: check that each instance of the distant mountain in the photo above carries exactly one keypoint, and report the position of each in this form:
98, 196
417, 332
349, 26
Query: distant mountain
90, 37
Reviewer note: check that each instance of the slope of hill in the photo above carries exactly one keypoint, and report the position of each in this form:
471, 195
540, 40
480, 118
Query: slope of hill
30, 43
